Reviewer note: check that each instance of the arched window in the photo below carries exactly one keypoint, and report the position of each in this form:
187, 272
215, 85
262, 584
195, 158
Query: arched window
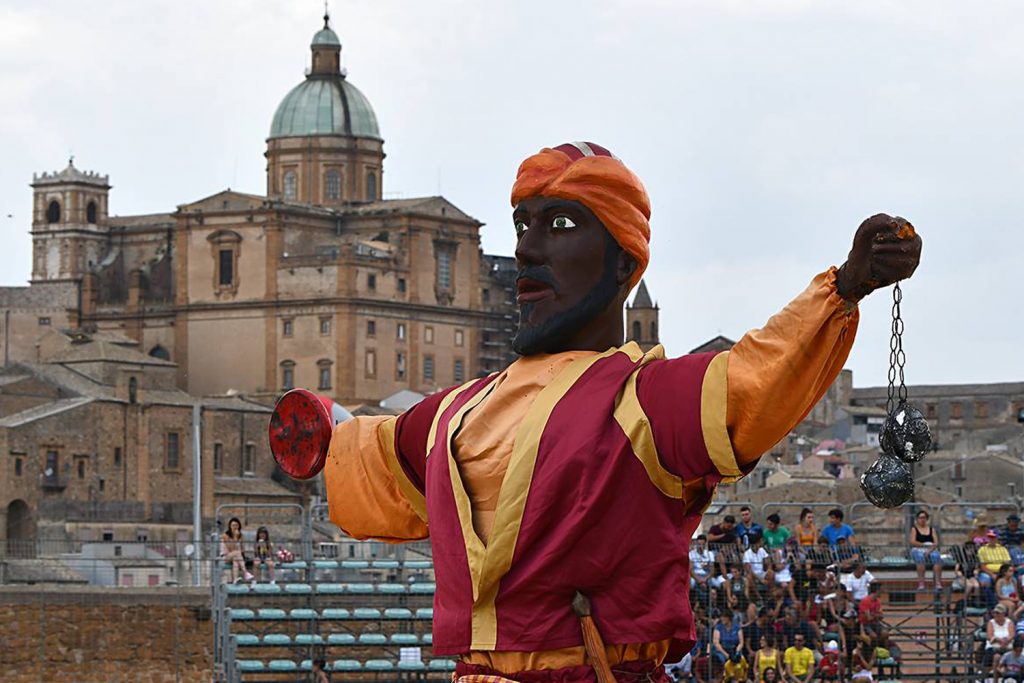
160, 352
291, 185
371, 187
324, 372
637, 330
654, 330
287, 375
90, 212
332, 189
53, 212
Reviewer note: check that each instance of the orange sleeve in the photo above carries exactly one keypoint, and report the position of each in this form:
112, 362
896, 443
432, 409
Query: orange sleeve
777, 374
369, 493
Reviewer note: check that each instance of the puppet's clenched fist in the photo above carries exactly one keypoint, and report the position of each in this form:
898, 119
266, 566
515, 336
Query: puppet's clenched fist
885, 250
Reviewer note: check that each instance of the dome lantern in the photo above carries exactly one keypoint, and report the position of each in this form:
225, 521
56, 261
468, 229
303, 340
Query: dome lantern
326, 47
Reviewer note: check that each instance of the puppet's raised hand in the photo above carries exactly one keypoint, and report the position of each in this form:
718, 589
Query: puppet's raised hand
885, 250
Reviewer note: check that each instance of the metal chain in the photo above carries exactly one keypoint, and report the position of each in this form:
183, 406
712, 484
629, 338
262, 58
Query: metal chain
897, 358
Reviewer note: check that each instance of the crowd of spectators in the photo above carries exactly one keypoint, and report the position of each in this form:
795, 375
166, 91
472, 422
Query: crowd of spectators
774, 604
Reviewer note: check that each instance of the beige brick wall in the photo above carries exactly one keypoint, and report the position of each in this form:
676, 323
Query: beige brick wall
83, 635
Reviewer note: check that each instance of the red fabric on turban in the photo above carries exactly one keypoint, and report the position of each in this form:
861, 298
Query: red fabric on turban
589, 174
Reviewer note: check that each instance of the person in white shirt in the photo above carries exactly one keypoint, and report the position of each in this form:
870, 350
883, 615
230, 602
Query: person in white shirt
858, 582
702, 563
755, 559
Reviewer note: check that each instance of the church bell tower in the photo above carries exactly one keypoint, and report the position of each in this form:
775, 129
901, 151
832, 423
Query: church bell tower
69, 215
642, 319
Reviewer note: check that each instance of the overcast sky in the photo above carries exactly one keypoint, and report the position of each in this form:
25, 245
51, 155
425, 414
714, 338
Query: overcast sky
765, 131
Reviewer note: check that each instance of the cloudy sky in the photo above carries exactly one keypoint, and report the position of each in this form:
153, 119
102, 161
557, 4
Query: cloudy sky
765, 130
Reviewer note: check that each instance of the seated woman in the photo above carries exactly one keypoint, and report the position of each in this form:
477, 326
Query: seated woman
727, 638
863, 661
767, 656
1006, 591
999, 633
264, 554
924, 545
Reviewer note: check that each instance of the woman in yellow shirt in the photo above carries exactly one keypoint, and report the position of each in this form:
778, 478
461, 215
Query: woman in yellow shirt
806, 532
767, 657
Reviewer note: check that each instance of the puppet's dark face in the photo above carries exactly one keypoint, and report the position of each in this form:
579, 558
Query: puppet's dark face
568, 277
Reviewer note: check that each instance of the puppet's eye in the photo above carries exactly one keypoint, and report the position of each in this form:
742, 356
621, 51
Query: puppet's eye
562, 223
521, 227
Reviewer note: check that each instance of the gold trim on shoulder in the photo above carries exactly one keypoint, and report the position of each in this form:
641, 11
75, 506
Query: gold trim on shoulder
637, 428
443, 406
386, 438
713, 418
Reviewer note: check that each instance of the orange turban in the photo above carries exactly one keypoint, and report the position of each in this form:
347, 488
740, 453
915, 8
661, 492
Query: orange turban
589, 174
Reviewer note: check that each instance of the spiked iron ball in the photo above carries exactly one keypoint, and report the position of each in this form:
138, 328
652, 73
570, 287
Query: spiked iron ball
905, 433
888, 483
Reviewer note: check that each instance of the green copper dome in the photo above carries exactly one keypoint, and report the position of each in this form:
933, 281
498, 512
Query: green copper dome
325, 106
326, 37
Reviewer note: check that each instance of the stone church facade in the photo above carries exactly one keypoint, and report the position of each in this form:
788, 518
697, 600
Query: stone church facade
320, 283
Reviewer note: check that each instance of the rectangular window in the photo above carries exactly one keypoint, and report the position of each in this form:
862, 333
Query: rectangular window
107, 536
931, 411
128, 580
171, 453
80, 467
956, 411
460, 370
401, 285
103, 485
154, 579
486, 296
371, 363
428, 368
117, 456
981, 410
371, 328
400, 331
444, 269
459, 340
400, 365
44, 321
226, 272
288, 377
371, 281
325, 377
428, 334
51, 475
18, 464
218, 457
249, 459
286, 327
325, 326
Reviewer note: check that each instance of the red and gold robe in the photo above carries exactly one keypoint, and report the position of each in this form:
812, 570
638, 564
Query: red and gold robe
580, 471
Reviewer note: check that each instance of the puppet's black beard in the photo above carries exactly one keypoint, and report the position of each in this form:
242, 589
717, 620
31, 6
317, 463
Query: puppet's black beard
552, 335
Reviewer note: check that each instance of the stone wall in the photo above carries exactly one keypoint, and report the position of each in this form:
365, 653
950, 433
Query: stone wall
101, 634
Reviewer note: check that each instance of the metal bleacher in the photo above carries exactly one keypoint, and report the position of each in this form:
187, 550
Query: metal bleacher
366, 609
368, 616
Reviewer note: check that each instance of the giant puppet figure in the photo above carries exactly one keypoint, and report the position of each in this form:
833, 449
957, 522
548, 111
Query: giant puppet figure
585, 465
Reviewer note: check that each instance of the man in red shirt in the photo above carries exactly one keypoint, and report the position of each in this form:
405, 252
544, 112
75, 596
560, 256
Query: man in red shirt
870, 613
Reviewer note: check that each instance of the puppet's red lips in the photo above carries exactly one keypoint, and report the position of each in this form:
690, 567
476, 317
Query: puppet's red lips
529, 290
